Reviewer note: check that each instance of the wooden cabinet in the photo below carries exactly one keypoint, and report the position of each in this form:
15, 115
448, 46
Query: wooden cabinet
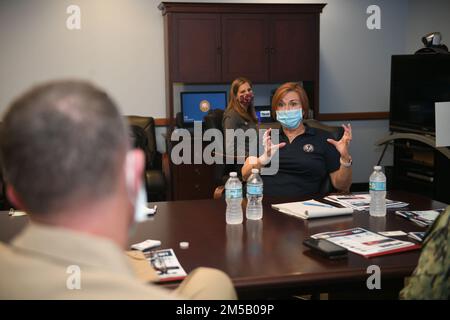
189, 181
192, 181
245, 41
196, 47
420, 168
294, 47
208, 43
270, 48
264, 48
215, 43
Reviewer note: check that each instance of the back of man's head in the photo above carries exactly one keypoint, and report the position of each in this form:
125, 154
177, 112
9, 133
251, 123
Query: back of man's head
61, 143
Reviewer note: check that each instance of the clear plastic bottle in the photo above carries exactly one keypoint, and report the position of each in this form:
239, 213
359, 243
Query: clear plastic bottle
233, 197
377, 187
254, 196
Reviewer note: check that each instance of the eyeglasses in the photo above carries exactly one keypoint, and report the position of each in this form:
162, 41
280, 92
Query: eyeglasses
293, 104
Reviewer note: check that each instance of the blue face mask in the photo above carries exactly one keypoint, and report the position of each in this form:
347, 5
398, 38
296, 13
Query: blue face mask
290, 119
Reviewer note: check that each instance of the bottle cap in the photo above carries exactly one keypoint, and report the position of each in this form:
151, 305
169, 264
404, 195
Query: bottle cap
233, 174
377, 168
184, 245
254, 170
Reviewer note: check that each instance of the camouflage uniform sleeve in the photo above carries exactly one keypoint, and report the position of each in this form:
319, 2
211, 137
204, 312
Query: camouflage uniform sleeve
430, 279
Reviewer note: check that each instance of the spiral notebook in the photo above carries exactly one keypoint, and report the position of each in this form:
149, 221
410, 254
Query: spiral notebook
311, 209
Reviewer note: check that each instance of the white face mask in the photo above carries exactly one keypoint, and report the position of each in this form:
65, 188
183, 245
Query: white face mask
140, 202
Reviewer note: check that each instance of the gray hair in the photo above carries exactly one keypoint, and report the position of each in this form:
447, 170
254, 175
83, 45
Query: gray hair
62, 142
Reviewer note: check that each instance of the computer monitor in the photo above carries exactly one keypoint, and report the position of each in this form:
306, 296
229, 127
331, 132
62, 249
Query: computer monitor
195, 105
417, 83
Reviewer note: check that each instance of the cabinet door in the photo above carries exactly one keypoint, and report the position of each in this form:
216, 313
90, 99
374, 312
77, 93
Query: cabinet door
195, 48
193, 181
245, 47
294, 47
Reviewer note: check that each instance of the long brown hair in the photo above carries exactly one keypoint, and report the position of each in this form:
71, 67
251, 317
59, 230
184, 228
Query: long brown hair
233, 102
288, 87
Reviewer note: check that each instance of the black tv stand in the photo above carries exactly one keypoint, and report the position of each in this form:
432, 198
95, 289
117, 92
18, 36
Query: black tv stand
419, 166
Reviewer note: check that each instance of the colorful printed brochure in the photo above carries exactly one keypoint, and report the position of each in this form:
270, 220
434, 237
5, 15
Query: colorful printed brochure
166, 264
361, 202
366, 243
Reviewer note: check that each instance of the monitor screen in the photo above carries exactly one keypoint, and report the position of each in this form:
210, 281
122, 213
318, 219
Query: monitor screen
195, 105
417, 82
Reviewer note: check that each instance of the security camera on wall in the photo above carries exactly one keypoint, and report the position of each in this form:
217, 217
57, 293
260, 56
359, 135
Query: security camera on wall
432, 42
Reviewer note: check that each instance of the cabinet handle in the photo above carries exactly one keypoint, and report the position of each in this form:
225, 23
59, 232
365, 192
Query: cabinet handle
197, 187
197, 171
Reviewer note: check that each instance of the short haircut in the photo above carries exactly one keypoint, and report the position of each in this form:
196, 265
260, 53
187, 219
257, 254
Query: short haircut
288, 87
62, 142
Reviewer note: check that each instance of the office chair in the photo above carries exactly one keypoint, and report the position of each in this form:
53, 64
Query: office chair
213, 120
142, 131
336, 132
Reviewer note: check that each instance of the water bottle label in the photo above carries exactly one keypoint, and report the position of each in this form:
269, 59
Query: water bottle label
233, 193
254, 189
377, 186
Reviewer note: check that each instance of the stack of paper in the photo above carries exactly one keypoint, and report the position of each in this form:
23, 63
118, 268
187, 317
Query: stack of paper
311, 209
418, 236
422, 218
361, 202
166, 264
366, 243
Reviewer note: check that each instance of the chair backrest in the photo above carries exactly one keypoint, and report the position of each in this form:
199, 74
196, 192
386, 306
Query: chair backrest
179, 122
142, 130
213, 120
336, 133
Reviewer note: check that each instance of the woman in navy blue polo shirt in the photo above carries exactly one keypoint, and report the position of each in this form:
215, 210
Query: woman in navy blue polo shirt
306, 155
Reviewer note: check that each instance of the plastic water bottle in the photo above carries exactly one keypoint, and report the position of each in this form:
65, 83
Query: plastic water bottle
233, 197
377, 187
254, 196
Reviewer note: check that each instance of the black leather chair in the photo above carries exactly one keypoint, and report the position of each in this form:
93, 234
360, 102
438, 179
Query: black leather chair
142, 131
4, 203
213, 120
336, 134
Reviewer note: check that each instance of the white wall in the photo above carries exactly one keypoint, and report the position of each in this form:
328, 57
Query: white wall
121, 48
425, 17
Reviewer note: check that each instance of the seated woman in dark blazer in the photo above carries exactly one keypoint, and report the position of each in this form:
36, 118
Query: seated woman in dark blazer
240, 114
306, 155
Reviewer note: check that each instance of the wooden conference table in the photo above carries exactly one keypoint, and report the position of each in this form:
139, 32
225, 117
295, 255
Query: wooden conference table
266, 258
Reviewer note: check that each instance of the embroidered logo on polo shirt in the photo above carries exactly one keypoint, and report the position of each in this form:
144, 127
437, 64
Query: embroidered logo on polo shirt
308, 148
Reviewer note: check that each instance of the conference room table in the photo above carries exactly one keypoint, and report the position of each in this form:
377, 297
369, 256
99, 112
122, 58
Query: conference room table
266, 258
